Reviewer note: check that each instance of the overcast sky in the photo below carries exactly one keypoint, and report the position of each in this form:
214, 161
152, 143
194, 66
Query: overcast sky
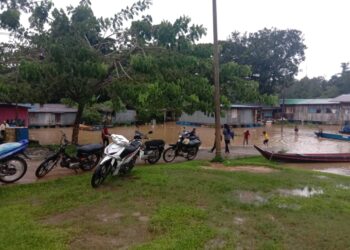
324, 23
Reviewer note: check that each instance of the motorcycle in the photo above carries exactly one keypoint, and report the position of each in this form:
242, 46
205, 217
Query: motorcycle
86, 158
187, 146
152, 150
12, 166
120, 157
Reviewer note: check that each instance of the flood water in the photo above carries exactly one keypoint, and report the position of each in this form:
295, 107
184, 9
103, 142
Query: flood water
304, 141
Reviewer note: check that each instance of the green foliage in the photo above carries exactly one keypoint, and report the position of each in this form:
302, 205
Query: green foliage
9, 19
273, 54
91, 116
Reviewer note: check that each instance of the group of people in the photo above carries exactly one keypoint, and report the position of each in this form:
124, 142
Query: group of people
229, 135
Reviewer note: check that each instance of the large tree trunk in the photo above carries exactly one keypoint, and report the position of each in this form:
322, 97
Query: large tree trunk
75, 135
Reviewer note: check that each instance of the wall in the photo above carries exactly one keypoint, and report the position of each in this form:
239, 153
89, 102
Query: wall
201, 118
127, 116
327, 114
67, 119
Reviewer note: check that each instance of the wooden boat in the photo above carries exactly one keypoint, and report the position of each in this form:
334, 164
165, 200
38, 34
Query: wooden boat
292, 157
333, 136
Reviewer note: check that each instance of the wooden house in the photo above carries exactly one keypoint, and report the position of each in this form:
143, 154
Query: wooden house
321, 111
237, 115
51, 115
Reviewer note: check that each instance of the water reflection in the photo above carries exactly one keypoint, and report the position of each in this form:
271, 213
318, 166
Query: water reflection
304, 192
303, 142
339, 171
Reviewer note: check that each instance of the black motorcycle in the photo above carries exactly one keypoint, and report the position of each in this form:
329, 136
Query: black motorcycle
151, 150
187, 146
86, 158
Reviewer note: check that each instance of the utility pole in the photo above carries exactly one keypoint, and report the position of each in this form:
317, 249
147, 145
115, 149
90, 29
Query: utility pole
216, 84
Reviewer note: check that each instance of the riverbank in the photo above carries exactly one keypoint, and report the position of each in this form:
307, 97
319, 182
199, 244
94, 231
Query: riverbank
187, 205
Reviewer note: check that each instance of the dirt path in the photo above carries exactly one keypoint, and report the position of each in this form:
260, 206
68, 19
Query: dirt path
38, 156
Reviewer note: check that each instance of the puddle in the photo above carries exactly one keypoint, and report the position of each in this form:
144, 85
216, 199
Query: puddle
304, 192
238, 220
339, 171
109, 217
250, 169
322, 177
341, 186
289, 206
251, 198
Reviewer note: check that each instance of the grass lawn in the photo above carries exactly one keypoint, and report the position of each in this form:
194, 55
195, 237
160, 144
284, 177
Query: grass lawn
180, 206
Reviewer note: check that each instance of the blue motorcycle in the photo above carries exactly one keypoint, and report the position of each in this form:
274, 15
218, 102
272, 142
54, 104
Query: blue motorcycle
12, 166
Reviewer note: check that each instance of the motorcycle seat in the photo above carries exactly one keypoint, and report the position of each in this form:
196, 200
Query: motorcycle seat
172, 145
89, 148
154, 143
131, 148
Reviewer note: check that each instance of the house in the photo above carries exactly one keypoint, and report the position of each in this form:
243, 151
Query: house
125, 117
344, 107
51, 115
17, 113
122, 117
237, 115
320, 111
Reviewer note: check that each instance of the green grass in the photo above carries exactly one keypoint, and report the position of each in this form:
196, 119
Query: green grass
178, 206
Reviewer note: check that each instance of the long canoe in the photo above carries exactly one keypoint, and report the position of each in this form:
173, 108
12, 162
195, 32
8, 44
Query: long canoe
333, 136
290, 157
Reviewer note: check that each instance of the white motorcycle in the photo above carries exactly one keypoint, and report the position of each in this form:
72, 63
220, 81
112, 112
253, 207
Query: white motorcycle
120, 157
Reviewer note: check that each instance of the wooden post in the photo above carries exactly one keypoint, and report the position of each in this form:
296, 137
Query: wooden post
216, 85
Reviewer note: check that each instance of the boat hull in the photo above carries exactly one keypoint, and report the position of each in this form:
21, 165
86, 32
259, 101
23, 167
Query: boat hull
304, 158
333, 136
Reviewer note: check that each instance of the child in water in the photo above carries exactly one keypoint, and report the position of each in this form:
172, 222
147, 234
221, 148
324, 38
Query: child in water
266, 138
246, 135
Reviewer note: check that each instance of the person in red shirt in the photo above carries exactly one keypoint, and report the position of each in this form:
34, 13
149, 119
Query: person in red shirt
246, 135
104, 135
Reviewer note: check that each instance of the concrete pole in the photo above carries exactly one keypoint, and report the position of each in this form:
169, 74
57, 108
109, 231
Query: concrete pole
216, 84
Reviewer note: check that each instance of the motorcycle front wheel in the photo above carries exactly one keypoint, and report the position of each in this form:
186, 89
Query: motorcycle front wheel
100, 174
90, 162
192, 153
169, 155
45, 167
155, 157
12, 169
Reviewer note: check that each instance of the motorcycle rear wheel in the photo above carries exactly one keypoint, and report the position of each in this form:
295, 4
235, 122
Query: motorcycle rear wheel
192, 153
45, 167
100, 174
92, 161
169, 155
14, 167
154, 158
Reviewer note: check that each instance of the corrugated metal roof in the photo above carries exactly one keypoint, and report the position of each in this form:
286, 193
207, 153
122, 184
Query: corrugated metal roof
308, 101
245, 106
342, 98
51, 108
11, 104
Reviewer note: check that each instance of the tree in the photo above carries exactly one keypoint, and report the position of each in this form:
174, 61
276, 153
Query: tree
75, 60
166, 75
274, 55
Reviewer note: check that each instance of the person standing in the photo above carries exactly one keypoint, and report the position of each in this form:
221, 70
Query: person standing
266, 139
2, 130
104, 135
228, 135
246, 135
296, 129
